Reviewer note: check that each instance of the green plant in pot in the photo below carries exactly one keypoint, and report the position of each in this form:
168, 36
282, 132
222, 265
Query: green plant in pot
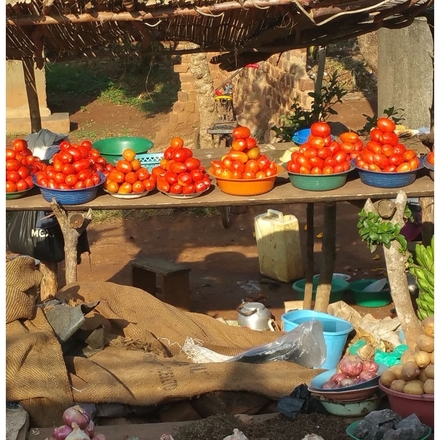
422, 268
331, 93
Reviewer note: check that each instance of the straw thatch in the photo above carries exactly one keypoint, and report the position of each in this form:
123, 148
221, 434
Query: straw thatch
241, 31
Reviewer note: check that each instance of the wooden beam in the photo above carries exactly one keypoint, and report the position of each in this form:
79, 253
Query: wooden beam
32, 95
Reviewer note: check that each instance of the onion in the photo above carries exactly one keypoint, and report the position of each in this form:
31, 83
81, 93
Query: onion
348, 382
351, 365
77, 433
366, 375
90, 429
76, 414
61, 432
330, 385
370, 365
337, 377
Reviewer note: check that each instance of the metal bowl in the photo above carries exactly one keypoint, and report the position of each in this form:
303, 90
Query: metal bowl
352, 408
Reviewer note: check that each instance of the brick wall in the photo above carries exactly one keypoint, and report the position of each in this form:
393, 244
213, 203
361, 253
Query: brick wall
260, 95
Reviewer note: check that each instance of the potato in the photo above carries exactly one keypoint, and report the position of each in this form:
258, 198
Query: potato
422, 375
425, 343
432, 358
387, 377
397, 370
422, 358
429, 370
414, 387
398, 385
410, 371
428, 326
407, 355
428, 386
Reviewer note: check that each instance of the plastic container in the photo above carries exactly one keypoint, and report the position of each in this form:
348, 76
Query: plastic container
338, 289
406, 404
351, 409
369, 299
279, 245
150, 160
382, 179
351, 429
427, 165
318, 182
246, 187
301, 136
111, 149
335, 331
70, 196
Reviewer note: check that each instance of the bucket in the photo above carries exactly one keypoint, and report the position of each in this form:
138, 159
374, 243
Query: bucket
335, 331
279, 246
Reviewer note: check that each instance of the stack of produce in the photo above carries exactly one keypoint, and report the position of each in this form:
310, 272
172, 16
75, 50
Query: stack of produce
383, 152
73, 167
323, 155
416, 373
244, 159
180, 172
78, 425
21, 165
351, 370
128, 176
423, 271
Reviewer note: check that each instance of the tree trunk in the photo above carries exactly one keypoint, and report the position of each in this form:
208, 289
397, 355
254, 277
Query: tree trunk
49, 282
72, 225
199, 67
395, 262
328, 258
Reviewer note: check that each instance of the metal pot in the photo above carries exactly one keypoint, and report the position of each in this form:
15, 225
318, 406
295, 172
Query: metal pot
254, 315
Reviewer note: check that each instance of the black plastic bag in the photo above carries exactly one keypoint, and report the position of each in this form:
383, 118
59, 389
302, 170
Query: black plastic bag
38, 234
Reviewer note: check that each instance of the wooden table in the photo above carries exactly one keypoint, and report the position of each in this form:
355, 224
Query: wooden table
353, 191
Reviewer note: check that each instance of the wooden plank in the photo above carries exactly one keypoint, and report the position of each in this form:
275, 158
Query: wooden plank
282, 193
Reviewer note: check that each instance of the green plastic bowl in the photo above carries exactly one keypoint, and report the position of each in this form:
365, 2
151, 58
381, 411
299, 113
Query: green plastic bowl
339, 287
369, 299
318, 182
111, 149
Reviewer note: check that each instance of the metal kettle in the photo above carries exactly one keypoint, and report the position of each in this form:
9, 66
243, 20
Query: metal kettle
254, 315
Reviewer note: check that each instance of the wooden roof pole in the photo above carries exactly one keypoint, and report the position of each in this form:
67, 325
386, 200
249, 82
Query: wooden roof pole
32, 95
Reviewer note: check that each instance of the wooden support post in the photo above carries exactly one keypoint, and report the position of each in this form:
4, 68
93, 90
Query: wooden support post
328, 258
308, 290
72, 224
32, 95
427, 205
49, 282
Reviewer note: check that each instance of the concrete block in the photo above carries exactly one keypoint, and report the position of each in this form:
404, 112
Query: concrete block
56, 122
406, 72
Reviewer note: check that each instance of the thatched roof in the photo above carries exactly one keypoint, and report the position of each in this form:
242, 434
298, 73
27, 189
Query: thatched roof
241, 31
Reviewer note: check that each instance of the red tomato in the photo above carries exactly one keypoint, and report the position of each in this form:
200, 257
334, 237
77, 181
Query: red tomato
414, 163
80, 184
375, 147
12, 165
347, 147
386, 125
376, 135
328, 170
380, 160
143, 174
64, 145
316, 162
408, 155
241, 132
395, 159
341, 156
301, 160
387, 150
251, 142
71, 180
239, 144
225, 173
176, 142
192, 163
390, 138
430, 158
75, 153
197, 174
162, 184
349, 137
13, 176
334, 147
238, 155
11, 186
121, 165
29, 181
320, 129
84, 174
150, 184
316, 141
67, 169
188, 189
304, 170
399, 149
390, 169
59, 178
23, 171
339, 168
176, 188
177, 167
403, 167
374, 167
184, 179
292, 167
86, 144
238, 166
10, 153
325, 152
252, 165
19, 145
170, 177
316, 170
310, 152
200, 187
330, 161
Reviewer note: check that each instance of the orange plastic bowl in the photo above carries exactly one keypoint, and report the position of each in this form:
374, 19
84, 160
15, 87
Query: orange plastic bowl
246, 187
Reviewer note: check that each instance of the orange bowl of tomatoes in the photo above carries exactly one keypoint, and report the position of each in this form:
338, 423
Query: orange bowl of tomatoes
246, 187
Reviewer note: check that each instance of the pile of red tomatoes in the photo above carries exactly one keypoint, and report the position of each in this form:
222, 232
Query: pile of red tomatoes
321, 154
73, 167
179, 172
244, 159
384, 152
20, 166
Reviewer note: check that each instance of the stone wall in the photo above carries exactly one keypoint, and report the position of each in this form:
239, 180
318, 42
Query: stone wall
260, 95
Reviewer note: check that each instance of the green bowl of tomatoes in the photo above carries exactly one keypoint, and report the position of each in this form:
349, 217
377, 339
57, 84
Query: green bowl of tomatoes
112, 148
318, 182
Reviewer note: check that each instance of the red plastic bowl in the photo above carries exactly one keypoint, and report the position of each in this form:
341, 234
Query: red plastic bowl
406, 404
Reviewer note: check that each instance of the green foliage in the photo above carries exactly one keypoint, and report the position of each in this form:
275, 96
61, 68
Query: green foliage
396, 114
375, 231
322, 108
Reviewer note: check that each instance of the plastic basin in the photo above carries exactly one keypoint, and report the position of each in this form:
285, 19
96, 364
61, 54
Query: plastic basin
318, 182
369, 299
301, 136
112, 148
246, 187
338, 289
335, 331
406, 404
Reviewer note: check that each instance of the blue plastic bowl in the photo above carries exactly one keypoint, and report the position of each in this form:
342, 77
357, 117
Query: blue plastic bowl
381, 179
69, 196
335, 331
301, 136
